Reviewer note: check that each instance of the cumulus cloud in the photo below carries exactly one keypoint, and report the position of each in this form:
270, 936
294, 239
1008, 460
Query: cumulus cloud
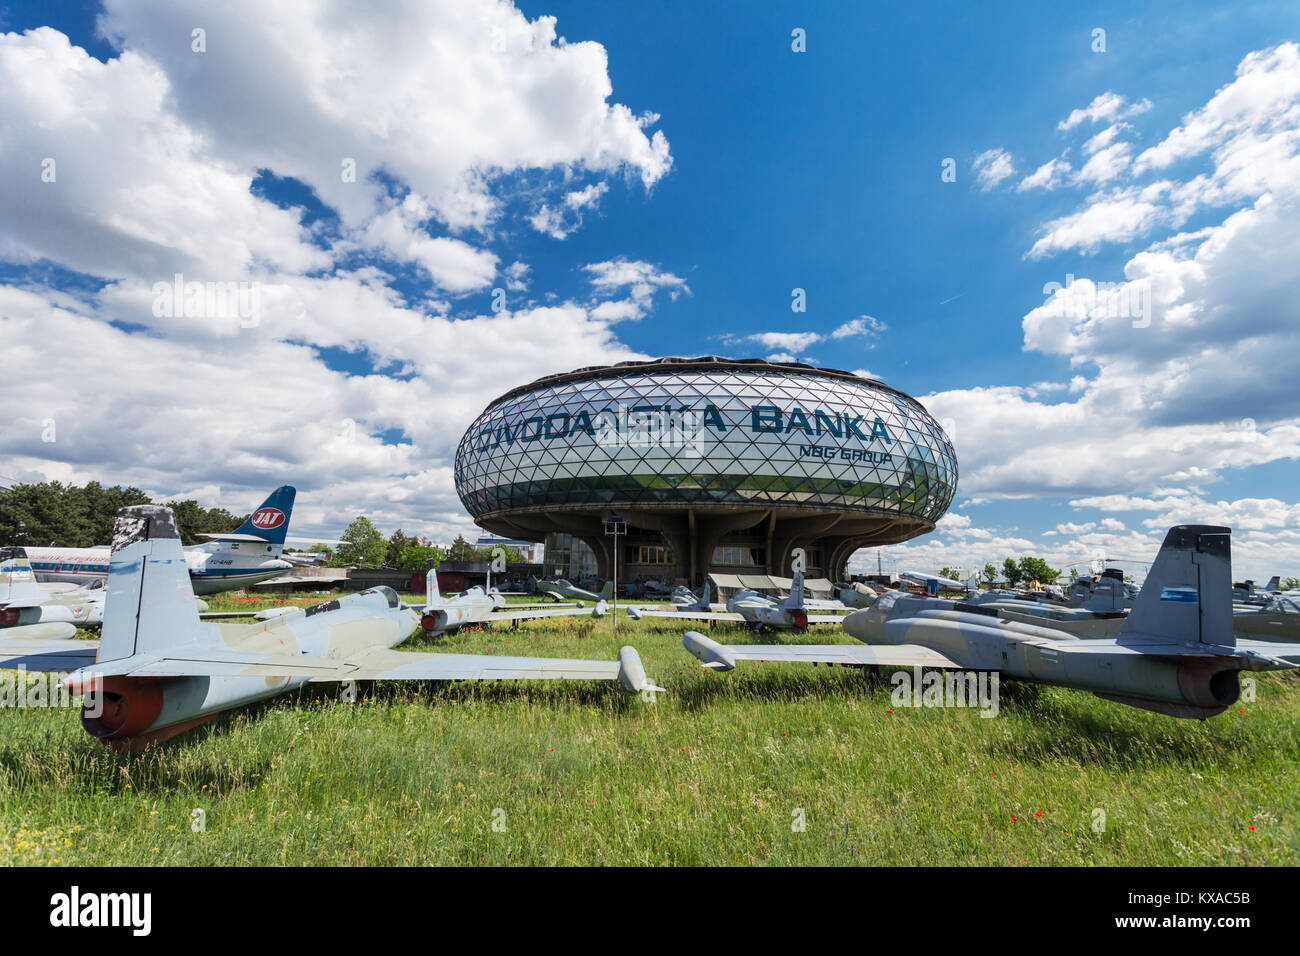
1107, 106
992, 167
417, 136
1047, 176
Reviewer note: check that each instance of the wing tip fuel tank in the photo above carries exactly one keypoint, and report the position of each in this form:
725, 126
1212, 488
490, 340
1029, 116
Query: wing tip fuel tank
709, 652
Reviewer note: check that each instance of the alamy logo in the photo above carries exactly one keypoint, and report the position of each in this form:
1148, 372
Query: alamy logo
918, 688
75, 908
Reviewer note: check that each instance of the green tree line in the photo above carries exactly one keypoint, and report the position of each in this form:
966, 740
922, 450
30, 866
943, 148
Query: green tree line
362, 544
52, 514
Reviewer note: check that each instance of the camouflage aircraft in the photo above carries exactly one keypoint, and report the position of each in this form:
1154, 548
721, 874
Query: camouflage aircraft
1176, 654
753, 607
1278, 620
159, 671
857, 595
560, 589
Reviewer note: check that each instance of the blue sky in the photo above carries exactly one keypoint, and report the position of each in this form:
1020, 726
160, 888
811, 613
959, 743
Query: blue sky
778, 170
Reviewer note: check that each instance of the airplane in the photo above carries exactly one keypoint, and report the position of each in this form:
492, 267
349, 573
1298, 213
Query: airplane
441, 615
1278, 620
26, 609
1176, 654
931, 583
1246, 592
477, 606
753, 607
249, 554
159, 671
559, 589
857, 595
1102, 614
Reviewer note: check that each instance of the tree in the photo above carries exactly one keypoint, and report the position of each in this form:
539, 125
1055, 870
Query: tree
989, 573
462, 550
1289, 584
397, 543
947, 572
51, 513
361, 544
1011, 571
416, 557
1037, 570
194, 521
511, 554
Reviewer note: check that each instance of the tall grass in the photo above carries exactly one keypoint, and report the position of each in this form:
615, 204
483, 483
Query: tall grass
723, 769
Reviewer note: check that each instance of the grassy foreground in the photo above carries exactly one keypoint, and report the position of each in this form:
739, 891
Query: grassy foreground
723, 769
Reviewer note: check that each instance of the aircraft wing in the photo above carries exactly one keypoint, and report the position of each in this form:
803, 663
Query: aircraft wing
826, 618
724, 656
44, 654
385, 664
548, 604
526, 615
637, 613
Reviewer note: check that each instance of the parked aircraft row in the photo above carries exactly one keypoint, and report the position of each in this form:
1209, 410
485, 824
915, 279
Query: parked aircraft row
160, 669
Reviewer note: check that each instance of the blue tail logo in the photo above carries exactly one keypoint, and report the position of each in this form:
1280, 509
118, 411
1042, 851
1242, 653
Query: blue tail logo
271, 520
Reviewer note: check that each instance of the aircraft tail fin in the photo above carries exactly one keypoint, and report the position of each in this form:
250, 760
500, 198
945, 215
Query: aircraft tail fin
271, 519
1187, 595
432, 594
150, 603
607, 592
1274, 584
18, 587
704, 598
796, 591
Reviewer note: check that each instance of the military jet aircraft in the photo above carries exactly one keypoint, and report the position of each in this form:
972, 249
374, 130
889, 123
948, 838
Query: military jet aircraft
562, 590
159, 671
1278, 620
857, 595
1102, 614
1176, 654
753, 607
477, 606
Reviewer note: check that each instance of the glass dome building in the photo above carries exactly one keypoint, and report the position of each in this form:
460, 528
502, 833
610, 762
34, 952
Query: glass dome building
717, 465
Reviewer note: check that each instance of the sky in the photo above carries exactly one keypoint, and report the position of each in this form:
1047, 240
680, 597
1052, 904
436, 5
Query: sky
1071, 234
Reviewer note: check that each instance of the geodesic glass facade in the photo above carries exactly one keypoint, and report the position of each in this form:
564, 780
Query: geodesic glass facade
707, 431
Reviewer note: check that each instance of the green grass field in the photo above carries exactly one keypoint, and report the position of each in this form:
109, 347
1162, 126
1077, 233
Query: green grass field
720, 770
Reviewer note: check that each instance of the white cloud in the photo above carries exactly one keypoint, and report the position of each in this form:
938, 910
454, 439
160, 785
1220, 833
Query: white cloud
157, 151
1105, 164
1107, 106
992, 167
1047, 176
862, 325
634, 279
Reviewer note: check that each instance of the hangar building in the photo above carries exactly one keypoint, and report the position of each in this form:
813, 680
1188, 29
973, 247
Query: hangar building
716, 465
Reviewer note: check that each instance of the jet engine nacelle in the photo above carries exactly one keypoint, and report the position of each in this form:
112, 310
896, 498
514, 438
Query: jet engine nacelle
129, 713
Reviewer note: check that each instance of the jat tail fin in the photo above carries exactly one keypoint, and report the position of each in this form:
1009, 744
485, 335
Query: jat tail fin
18, 587
796, 591
432, 595
271, 520
1274, 584
150, 603
607, 592
1187, 596
704, 598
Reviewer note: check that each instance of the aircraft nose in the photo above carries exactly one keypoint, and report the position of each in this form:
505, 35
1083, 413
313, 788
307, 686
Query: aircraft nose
866, 625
